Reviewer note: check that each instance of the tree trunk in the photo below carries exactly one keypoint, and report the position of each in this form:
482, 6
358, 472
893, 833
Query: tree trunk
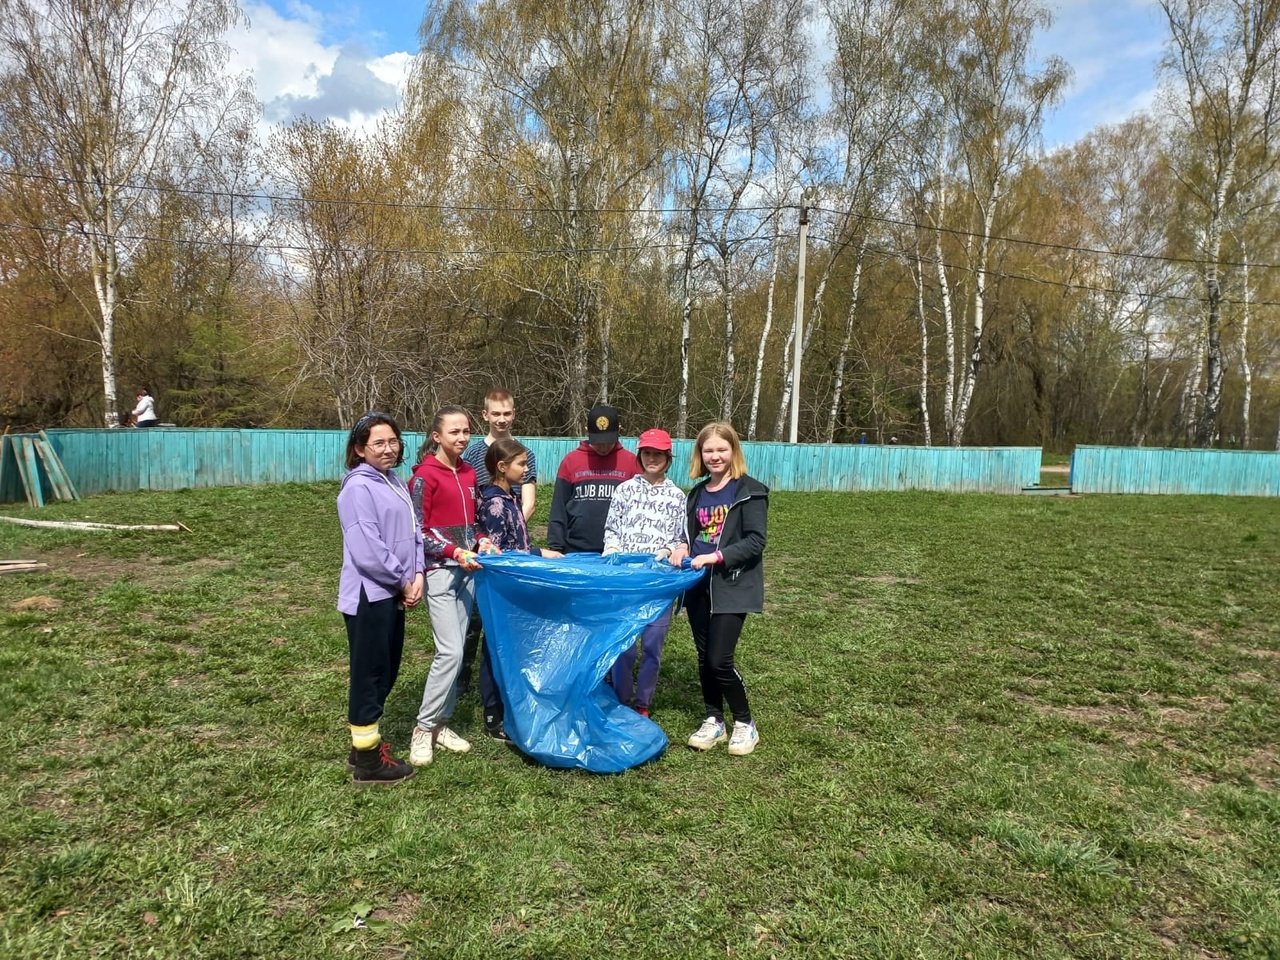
788, 366
1142, 415
918, 275
1190, 406
1207, 426
1246, 369
686, 317
764, 341
580, 321
730, 338
606, 332
106, 274
979, 305
842, 359
948, 329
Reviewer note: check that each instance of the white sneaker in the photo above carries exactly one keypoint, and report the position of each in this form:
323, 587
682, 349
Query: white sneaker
744, 739
709, 734
446, 739
420, 752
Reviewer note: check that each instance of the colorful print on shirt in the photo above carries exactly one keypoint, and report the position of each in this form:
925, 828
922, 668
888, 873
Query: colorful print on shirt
710, 514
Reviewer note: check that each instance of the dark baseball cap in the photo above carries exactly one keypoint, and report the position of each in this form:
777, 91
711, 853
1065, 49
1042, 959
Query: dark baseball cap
602, 424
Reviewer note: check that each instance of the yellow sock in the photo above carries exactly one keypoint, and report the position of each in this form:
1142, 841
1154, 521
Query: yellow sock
365, 738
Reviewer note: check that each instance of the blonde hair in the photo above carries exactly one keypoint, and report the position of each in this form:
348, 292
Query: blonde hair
725, 431
498, 395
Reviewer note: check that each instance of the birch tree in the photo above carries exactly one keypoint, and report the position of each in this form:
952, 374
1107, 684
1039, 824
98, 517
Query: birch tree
562, 98
999, 109
1113, 190
1222, 62
354, 273
870, 103
738, 77
101, 97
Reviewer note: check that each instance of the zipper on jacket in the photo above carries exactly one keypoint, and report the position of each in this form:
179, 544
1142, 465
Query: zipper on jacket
462, 495
711, 594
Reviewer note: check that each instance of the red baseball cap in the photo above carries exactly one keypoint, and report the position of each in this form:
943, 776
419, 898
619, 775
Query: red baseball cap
655, 440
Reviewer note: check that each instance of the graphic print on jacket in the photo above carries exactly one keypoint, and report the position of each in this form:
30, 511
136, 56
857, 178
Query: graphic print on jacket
580, 504
645, 517
711, 511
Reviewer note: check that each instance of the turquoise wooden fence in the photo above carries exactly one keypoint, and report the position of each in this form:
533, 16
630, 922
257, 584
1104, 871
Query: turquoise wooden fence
165, 458
1241, 473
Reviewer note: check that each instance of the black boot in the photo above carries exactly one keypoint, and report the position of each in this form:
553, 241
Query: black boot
377, 765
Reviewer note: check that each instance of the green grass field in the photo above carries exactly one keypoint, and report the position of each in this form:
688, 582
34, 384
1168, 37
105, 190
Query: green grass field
990, 727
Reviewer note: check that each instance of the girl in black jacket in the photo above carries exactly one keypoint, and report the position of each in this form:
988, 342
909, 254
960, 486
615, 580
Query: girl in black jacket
728, 514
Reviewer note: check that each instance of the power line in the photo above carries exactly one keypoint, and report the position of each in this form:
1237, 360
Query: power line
269, 245
1069, 285
548, 211
1045, 244
387, 204
462, 255
457, 256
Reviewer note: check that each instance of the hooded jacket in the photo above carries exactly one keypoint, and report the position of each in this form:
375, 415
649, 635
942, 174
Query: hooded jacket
381, 542
500, 518
645, 517
444, 501
580, 504
737, 584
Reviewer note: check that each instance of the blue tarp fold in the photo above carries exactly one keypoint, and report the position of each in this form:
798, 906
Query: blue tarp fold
554, 628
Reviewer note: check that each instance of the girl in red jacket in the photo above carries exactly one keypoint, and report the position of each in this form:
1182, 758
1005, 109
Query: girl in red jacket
443, 490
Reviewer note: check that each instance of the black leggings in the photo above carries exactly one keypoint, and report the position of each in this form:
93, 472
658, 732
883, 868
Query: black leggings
716, 637
375, 639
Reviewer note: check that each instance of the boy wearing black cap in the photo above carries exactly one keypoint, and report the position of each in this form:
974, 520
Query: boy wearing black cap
585, 482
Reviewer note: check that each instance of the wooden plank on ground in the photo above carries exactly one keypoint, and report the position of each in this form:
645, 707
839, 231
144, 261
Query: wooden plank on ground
22, 567
4, 460
86, 525
64, 478
49, 459
27, 471
33, 468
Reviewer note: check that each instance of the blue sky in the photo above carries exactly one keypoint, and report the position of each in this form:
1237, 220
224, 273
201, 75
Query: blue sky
1113, 47
346, 61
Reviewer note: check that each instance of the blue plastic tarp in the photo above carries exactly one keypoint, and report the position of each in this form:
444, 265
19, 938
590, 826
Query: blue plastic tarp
554, 628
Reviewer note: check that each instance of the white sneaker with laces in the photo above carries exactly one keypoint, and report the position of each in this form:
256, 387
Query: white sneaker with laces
744, 739
446, 739
420, 751
709, 734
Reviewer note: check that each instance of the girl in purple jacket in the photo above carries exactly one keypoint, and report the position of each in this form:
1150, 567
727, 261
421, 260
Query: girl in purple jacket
381, 575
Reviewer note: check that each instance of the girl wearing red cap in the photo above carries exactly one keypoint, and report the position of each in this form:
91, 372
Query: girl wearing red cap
646, 515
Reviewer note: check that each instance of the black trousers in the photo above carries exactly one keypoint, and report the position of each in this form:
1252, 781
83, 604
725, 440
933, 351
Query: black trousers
375, 640
490, 697
716, 638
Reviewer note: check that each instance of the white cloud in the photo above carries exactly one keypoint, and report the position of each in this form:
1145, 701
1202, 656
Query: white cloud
296, 73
